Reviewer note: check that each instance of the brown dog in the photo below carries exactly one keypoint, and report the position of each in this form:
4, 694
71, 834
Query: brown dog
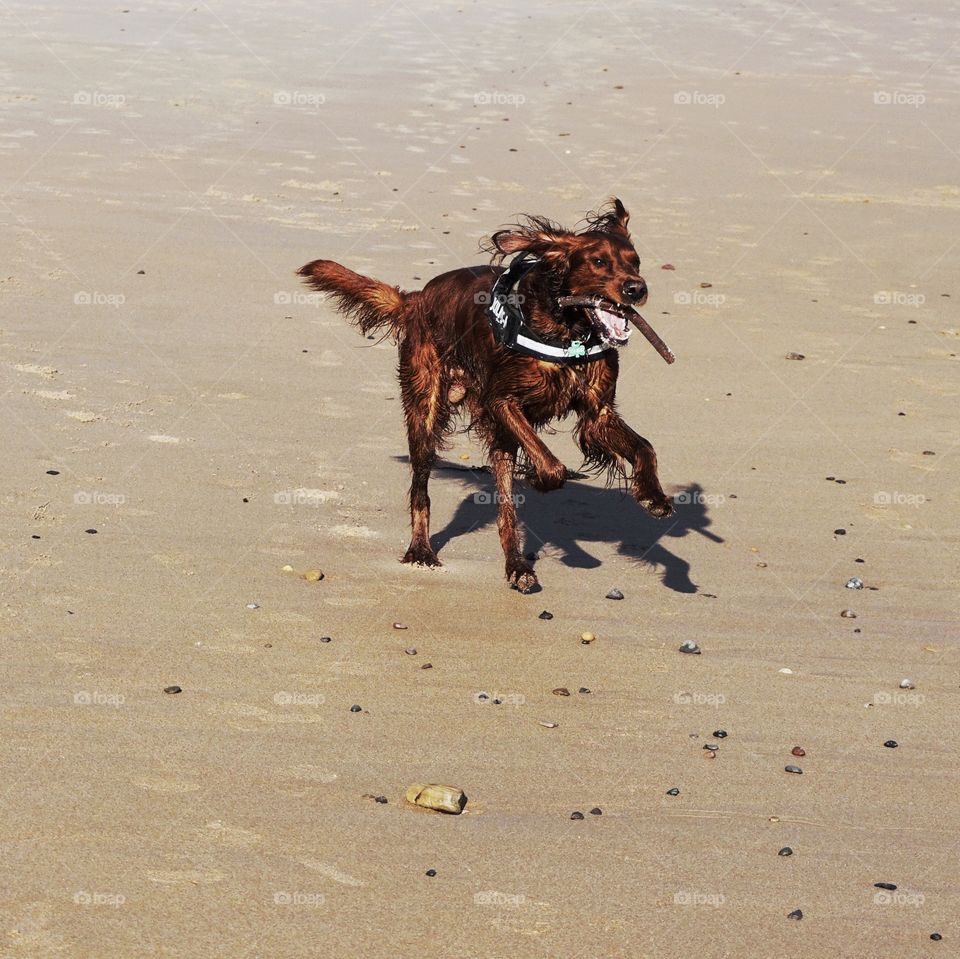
510, 348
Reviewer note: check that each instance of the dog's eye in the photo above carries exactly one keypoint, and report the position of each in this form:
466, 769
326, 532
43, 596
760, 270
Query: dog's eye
599, 261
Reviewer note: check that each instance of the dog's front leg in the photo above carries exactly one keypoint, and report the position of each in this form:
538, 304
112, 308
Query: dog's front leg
519, 572
606, 439
548, 472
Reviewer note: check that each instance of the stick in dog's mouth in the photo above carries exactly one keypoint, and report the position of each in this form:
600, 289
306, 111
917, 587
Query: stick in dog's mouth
605, 314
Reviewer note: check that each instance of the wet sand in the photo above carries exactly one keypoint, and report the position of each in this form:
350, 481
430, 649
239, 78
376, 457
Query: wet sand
166, 170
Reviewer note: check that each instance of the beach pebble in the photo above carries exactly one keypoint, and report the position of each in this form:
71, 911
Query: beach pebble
547, 724
854, 583
447, 799
798, 751
689, 646
889, 886
935, 936
576, 815
313, 575
355, 708
427, 666
710, 754
615, 594
286, 569
546, 614
596, 811
431, 872
326, 639
786, 671
719, 734
410, 651
792, 769
848, 614
583, 689
786, 851
53, 472
172, 690
673, 792
795, 356
399, 626
587, 638
907, 684
796, 914
713, 747
561, 691
891, 744
840, 532
253, 605
91, 531
667, 266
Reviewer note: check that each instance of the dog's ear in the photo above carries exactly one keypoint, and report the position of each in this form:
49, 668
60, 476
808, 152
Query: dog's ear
612, 217
535, 235
621, 216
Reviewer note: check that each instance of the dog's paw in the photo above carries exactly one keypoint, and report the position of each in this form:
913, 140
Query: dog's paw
548, 479
421, 556
523, 579
658, 506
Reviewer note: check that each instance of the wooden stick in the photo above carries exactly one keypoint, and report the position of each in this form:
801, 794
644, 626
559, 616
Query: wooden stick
596, 302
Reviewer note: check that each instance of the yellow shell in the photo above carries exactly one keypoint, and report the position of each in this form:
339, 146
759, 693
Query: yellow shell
432, 796
313, 575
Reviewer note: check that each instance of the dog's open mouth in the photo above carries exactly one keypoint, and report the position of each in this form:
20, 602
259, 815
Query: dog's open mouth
612, 322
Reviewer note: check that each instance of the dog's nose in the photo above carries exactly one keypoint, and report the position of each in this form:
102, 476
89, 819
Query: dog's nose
635, 289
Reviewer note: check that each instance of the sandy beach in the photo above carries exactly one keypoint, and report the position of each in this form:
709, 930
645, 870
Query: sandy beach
183, 420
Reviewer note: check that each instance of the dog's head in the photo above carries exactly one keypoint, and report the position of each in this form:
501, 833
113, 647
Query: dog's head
597, 263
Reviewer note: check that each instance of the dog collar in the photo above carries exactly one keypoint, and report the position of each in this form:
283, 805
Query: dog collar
510, 329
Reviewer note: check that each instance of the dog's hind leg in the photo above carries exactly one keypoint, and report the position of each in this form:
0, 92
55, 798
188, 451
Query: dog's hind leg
427, 415
503, 456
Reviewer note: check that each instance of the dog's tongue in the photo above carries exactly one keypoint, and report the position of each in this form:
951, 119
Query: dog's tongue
616, 325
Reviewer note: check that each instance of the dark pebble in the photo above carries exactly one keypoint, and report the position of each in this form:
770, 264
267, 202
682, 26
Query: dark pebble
431, 872
497, 702
840, 532
53, 472
891, 744
858, 560
786, 851
796, 914
380, 799
410, 651
246, 500
172, 690
929, 453
711, 746
427, 666
576, 815
583, 689
719, 734
326, 639
355, 708
889, 886
141, 272
792, 769
34, 536
614, 594
690, 647
830, 479
546, 614
596, 811
935, 936
673, 792
90, 531
795, 356
798, 751
561, 691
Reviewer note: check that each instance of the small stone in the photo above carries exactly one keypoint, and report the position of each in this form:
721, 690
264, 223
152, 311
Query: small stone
587, 638
615, 594
793, 769
253, 605
427, 666
719, 734
439, 798
786, 851
380, 799
286, 569
690, 647
891, 744
889, 886
139, 272
399, 626
561, 691
840, 531
795, 356
596, 811
854, 583
907, 684
848, 614
929, 453
713, 747
576, 815
92, 532
798, 751
935, 936
547, 724
710, 755
858, 560
410, 651
673, 792
431, 872
546, 614
786, 671
172, 690
583, 689
761, 565
773, 819
326, 639
705, 286
313, 575
796, 914
667, 266
355, 708
53, 472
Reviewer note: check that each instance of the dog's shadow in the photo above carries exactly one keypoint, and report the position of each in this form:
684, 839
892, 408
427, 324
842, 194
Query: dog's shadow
583, 512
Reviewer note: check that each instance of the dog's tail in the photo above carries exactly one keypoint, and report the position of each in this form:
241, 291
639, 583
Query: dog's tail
370, 304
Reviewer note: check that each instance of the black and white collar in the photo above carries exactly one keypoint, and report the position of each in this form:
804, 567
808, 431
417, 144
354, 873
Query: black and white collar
510, 328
